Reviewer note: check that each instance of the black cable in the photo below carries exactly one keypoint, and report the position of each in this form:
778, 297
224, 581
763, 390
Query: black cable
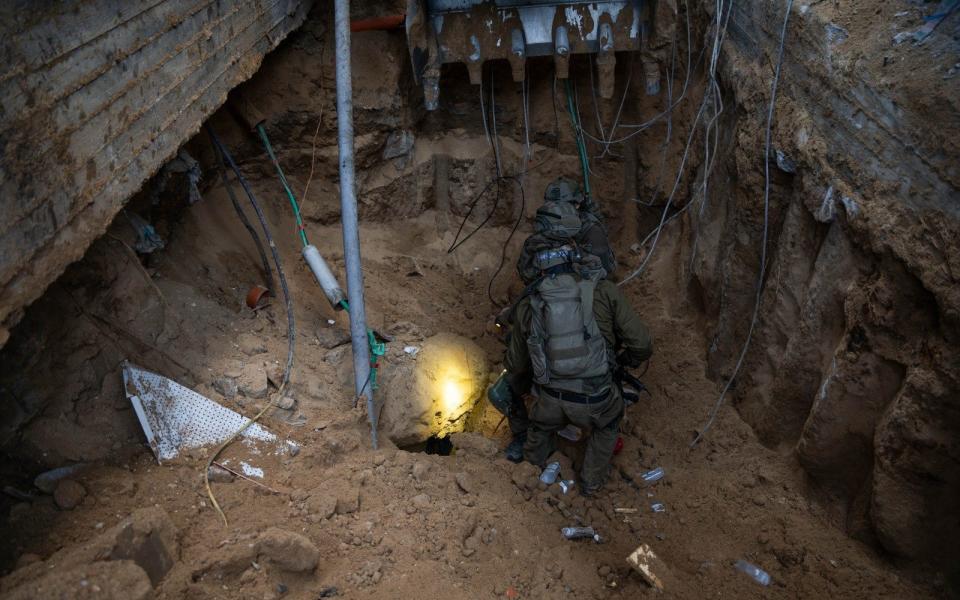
503, 252
291, 332
456, 244
267, 271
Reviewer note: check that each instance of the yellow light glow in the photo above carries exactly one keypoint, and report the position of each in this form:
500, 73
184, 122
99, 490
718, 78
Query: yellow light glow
453, 395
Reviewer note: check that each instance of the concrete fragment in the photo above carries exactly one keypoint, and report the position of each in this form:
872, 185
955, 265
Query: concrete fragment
287, 550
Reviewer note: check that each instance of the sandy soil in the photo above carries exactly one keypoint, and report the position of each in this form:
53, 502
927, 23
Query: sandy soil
392, 523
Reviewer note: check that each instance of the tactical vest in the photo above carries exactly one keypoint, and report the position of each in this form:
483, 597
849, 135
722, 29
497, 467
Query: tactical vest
565, 344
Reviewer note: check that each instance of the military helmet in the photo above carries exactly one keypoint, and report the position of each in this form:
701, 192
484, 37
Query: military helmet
557, 220
563, 190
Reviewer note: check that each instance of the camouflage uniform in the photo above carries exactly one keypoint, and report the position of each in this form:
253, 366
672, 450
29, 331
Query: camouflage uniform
621, 328
592, 237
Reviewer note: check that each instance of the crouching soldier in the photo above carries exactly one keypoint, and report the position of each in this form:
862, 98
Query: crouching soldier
565, 339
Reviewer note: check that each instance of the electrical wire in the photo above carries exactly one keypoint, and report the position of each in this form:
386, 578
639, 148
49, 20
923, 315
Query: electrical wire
291, 330
283, 180
766, 223
669, 201
267, 271
516, 225
708, 95
669, 133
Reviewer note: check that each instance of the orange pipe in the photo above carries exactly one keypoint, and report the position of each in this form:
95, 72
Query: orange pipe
378, 23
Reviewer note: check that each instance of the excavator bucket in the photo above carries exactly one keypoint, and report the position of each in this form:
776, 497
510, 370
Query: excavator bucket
475, 31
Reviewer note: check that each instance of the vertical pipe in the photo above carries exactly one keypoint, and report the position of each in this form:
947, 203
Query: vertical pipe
348, 212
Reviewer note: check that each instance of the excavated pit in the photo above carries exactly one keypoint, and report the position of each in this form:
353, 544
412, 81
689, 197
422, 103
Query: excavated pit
833, 464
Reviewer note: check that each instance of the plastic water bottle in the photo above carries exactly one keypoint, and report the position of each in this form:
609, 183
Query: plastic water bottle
653, 476
576, 533
567, 485
755, 572
551, 473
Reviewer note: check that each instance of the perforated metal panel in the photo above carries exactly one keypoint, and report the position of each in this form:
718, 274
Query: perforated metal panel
176, 418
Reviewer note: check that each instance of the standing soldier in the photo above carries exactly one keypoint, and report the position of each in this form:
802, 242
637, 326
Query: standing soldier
565, 338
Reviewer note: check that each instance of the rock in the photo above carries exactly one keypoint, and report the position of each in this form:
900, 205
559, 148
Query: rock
433, 396
251, 345
322, 504
420, 469
286, 403
69, 494
219, 475
253, 382
147, 537
525, 476
474, 443
398, 145
332, 337
348, 501
421, 501
463, 482
106, 580
226, 387
337, 355
287, 550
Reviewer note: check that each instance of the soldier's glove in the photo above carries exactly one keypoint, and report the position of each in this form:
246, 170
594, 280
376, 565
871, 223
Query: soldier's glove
628, 360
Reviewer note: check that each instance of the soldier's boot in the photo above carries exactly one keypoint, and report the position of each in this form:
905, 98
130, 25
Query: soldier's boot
514, 451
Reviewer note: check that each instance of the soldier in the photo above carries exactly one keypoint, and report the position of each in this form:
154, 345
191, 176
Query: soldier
565, 336
591, 238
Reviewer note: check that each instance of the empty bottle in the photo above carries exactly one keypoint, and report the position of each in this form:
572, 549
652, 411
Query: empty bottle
755, 572
567, 485
576, 533
551, 473
653, 476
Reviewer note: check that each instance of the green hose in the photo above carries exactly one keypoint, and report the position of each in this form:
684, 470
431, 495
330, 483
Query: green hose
581, 147
286, 186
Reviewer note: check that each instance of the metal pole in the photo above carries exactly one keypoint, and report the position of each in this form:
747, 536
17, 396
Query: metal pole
348, 214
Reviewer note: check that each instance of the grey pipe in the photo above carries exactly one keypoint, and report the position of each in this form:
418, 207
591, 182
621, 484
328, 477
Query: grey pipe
348, 214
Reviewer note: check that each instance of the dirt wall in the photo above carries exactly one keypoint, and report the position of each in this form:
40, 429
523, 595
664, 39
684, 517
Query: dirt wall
850, 365
95, 99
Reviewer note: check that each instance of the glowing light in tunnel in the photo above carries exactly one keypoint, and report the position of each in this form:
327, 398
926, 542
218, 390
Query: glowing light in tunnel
453, 395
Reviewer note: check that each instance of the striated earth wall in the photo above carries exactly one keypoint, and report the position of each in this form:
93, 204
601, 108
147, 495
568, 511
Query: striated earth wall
853, 363
95, 96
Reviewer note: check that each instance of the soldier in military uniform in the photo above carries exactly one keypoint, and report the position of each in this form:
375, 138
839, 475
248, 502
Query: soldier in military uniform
565, 338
